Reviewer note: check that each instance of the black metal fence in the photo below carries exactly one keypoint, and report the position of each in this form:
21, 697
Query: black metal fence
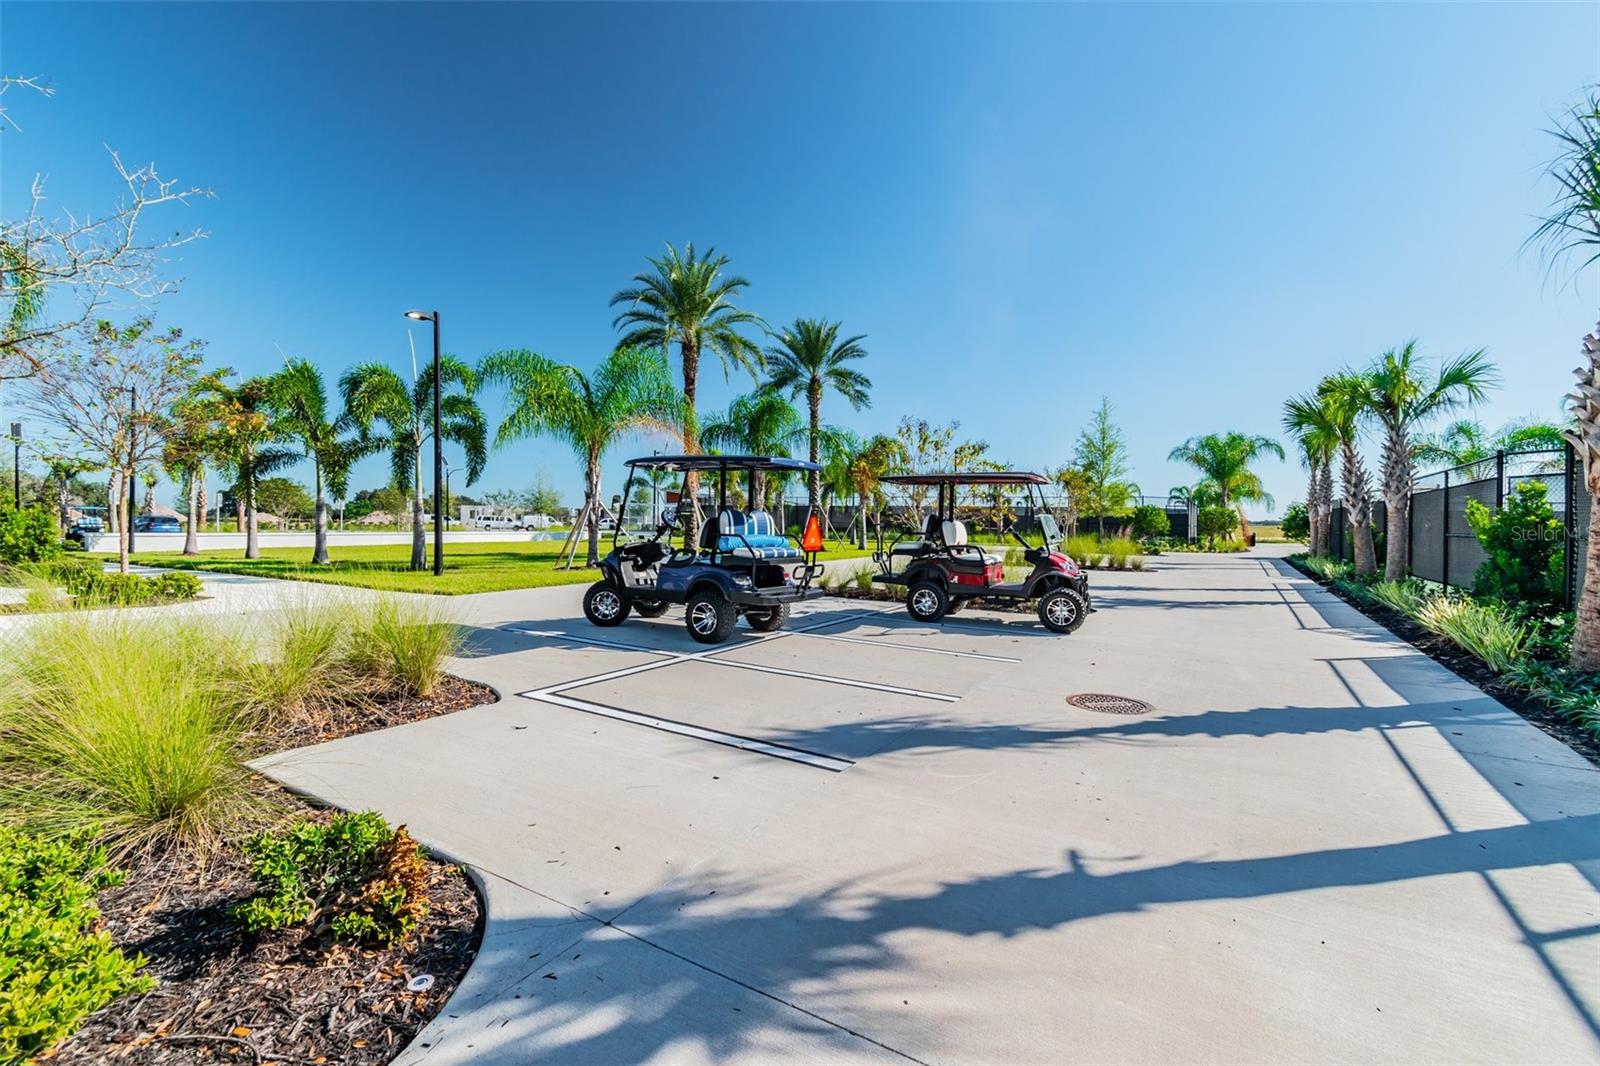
1443, 547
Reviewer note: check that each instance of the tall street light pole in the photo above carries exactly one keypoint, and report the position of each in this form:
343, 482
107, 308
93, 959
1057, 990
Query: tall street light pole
438, 446
16, 463
133, 452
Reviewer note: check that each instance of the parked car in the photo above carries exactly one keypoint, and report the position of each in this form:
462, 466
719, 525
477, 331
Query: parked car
156, 523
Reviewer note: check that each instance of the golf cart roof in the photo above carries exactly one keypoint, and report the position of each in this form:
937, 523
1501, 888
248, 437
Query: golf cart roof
721, 462
970, 477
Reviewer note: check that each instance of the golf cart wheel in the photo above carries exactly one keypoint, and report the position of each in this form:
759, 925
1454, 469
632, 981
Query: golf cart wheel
926, 601
710, 618
1063, 609
605, 604
650, 608
768, 619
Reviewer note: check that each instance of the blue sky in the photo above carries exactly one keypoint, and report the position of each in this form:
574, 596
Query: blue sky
1192, 209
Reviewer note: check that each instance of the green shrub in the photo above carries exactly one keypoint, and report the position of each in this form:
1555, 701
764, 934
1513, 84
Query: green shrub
1214, 522
404, 640
1150, 521
1482, 629
1296, 522
863, 579
1573, 694
112, 589
134, 732
175, 585
1524, 543
352, 873
56, 966
28, 535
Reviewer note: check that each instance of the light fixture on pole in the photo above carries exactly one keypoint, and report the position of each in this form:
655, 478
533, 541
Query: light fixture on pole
438, 445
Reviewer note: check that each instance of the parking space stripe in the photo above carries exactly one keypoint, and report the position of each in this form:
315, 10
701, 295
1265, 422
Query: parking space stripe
912, 647
943, 697
831, 763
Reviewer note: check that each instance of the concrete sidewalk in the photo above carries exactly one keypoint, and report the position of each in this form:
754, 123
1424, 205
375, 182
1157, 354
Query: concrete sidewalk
865, 838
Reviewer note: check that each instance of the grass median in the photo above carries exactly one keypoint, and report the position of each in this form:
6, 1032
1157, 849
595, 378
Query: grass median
470, 567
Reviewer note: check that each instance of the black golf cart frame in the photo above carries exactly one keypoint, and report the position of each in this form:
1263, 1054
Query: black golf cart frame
940, 576
757, 580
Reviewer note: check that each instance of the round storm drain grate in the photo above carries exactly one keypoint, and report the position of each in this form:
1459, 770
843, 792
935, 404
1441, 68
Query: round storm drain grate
1107, 704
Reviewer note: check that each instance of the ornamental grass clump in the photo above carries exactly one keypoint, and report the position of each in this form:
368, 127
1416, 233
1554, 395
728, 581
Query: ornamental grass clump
1485, 631
1121, 553
404, 640
131, 733
1405, 597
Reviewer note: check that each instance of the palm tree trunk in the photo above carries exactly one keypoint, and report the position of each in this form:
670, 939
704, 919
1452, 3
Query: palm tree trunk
319, 553
1357, 506
758, 490
191, 532
689, 354
1397, 471
591, 493
252, 530
419, 553
1585, 653
814, 477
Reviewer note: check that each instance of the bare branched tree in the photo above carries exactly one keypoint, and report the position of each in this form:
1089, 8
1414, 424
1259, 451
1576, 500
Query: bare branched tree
107, 393
61, 271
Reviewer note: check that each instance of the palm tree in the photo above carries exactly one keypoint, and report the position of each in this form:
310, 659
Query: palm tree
880, 456
1570, 233
300, 404
1342, 398
246, 439
1467, 442
687, 300
190, 444
1399, 397
809, 358
374, 393
757, 423
1308, 421
1224, 460
630, 390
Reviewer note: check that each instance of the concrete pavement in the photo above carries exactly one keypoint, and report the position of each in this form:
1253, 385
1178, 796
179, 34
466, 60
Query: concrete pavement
869, 839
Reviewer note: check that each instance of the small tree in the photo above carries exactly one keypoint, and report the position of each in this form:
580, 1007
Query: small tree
1526, 561
1101, 457
109, 390
1297, 522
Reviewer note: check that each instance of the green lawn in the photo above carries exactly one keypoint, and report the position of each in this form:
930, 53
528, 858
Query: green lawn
473, 567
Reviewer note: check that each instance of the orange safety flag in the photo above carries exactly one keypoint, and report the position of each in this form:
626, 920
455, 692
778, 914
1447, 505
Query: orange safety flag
812, 540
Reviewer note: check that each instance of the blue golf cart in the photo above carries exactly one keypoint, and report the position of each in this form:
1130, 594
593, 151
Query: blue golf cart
741, 564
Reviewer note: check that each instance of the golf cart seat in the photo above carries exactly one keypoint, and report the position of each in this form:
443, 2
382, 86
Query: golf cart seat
955, 536
753, 536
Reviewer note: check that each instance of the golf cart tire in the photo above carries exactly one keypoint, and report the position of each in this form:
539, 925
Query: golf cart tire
605, 605
1063, 609
709, 617
927, 601
768, 619
650, 608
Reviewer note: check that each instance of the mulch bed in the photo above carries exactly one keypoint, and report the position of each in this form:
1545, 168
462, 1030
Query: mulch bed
1470, 668
330, 721
225, 995
290, 996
